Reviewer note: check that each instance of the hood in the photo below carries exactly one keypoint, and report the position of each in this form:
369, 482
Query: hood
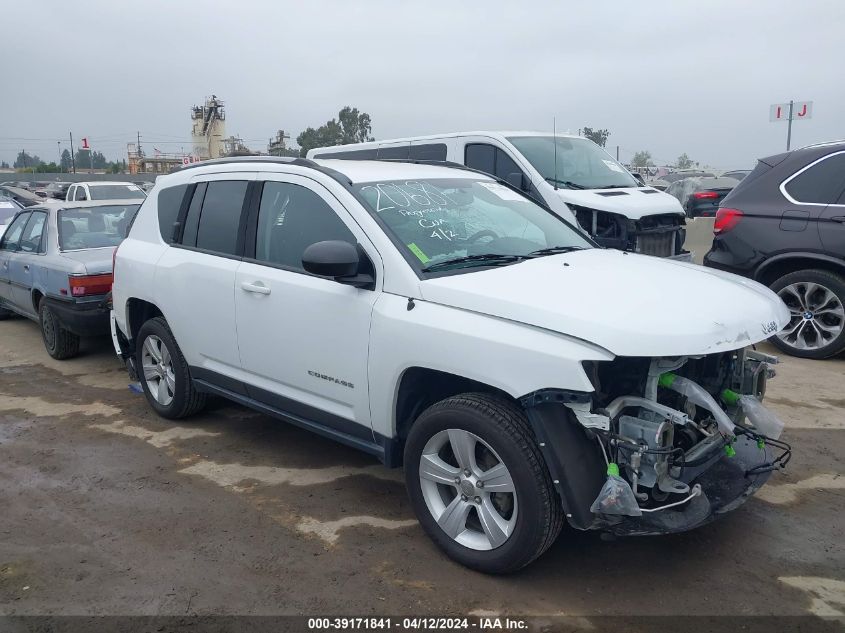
91, 261
631, 202
631, 305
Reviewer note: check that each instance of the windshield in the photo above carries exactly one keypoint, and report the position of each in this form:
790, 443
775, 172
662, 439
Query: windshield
115, 192
94, 227
581, 164
7, 211
438, 220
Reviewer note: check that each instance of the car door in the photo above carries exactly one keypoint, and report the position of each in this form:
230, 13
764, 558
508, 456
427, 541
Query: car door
304, 339
23, 265
195, 279
8, 252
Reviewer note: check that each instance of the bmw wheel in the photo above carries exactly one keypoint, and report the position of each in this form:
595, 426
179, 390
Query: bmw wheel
816, 302
479, 485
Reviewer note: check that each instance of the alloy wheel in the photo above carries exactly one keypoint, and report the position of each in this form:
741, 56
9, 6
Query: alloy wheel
817, 316
468, 489
157, 365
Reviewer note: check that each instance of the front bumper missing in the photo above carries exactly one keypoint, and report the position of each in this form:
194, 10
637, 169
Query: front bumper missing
724, 487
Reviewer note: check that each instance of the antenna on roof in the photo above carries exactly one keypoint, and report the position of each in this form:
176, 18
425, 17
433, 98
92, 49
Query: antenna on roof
554, 140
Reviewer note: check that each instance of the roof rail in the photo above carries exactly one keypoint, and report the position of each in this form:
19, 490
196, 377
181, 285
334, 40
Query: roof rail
284, 160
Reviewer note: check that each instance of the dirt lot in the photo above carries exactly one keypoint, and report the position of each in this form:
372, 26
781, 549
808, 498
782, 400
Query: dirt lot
107, 509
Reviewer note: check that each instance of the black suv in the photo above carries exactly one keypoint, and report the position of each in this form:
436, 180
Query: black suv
784, 225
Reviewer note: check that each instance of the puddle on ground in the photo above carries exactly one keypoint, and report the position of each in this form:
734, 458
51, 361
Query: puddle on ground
824, 593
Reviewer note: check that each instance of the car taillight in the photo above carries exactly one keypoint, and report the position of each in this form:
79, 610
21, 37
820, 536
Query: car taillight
705, 195
87, 285
726, 219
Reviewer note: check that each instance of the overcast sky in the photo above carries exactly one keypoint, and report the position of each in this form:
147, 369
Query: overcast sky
669, 77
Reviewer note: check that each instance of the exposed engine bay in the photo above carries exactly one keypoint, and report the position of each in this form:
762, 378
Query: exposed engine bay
662, 423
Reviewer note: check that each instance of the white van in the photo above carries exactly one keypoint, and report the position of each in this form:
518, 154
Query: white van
571, 175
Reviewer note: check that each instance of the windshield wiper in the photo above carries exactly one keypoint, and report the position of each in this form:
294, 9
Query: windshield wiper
566, 183
486, 259
554, 250
616, 186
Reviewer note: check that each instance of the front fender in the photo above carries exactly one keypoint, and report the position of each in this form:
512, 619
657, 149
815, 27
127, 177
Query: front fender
512, 357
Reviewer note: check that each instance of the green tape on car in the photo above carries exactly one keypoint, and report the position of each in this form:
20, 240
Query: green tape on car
416, 250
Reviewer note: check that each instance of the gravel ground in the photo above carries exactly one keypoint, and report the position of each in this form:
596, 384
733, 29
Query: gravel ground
107, 509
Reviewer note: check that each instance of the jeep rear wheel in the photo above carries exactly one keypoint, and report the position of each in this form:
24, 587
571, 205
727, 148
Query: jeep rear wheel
479, 485
816, 302
163, 370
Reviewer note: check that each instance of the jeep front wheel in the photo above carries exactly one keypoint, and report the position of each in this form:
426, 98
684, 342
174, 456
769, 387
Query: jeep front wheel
479, 485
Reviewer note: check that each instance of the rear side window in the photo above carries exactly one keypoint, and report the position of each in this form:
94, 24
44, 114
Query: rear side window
429, 151
169, 204
358, 154
221, 216
402, 152
820, 184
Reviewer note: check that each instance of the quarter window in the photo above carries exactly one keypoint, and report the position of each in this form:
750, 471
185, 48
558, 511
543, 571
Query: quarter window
169, 204
290, 219
221, 216
820, 184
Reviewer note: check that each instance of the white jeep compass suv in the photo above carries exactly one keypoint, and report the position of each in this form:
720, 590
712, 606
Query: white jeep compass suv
441, 320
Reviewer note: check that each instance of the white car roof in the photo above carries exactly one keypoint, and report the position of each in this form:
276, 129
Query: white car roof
99, 183
373, 170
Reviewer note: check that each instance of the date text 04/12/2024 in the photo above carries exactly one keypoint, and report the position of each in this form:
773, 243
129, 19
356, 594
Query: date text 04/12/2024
417, 624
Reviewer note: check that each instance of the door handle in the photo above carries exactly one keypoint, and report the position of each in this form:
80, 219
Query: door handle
257, 288
839, 218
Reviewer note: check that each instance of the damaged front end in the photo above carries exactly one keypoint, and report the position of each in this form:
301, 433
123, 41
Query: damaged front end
662, 445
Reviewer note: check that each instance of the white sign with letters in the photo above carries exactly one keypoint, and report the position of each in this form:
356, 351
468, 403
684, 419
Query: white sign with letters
800, 110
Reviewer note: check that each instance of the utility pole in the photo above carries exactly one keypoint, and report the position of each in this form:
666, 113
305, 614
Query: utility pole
72, 159
617, 153
59, 143
789, 127
139, 145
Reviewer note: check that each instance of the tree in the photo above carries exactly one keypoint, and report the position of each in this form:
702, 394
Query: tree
642, 159
599, 137
351, 126
26, 161
47, 168
4, 165
66, 162
684, 161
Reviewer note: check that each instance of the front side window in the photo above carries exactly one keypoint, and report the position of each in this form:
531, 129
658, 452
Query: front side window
820, 184
13, 233
94, 227
439, 223
220, 217
31, 238
80, 194
290, 219
581, 164
116, 192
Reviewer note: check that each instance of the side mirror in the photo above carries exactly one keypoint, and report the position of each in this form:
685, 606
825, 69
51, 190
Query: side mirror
337, 259
518, 180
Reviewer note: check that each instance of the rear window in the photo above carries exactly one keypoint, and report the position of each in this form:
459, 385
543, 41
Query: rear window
94, 227
821, 183
116, 192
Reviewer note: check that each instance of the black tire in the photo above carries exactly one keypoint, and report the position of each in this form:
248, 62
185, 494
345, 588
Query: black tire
502, 425
5, 314
61, 344
186, 399
834, 283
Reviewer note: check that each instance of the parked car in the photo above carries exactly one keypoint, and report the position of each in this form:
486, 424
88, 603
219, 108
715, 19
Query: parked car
22, 196
572, 175
686, 173
435, 317
700, 197
57, 190
56, 269
784, 225
8, 210
104, 190
736, 174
